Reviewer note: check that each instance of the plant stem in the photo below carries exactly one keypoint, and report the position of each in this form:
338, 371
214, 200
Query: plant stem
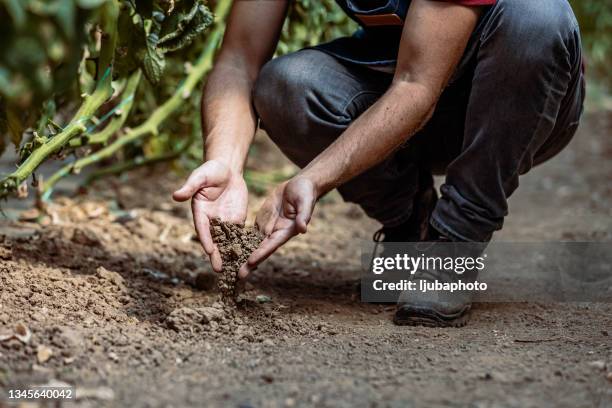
151, 125
125, 105
140, 162
90, 105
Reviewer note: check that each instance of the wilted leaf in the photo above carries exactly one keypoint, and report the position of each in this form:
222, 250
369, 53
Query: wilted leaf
187, 28
15, 126
2, 140
181, 17
131, 45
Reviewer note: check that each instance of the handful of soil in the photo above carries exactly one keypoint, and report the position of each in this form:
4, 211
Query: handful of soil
235, 244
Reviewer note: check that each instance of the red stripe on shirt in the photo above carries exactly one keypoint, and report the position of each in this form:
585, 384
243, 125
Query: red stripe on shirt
473, 2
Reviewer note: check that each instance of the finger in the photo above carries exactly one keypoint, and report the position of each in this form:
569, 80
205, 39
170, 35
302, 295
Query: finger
266, 219
206, 175
303, 212
202, 226
267, 247
191, 186
260, 221
302, 218
269, 226
244, 271
216, 261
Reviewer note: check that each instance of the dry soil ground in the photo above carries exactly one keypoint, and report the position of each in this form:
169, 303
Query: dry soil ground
121, 303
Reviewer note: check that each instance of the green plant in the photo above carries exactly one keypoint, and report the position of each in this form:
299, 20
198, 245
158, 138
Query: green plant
312, 22
115, 44
115, 82
595, 19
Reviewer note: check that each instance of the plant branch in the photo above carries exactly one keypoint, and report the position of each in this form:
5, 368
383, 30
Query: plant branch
140, 162
123, 107
90, 105
151, 125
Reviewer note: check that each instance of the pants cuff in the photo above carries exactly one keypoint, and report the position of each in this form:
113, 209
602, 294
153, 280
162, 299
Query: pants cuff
454, 227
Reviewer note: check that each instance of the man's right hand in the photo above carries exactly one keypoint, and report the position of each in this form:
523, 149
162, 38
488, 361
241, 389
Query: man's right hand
216, 192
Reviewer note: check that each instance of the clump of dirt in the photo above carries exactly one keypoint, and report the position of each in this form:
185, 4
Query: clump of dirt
235, 243
183, 318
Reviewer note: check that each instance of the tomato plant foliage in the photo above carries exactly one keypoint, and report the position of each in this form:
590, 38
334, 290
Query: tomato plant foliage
115, 83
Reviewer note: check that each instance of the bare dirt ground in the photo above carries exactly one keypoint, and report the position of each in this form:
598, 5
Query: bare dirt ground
120, 302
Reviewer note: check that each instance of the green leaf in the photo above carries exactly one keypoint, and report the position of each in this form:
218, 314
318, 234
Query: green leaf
65, 14
16, 10
186, 28
46, 114
153, 65
90, 4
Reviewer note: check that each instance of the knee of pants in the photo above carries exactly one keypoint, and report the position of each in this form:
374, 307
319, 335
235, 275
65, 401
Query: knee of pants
530, 34
282, 94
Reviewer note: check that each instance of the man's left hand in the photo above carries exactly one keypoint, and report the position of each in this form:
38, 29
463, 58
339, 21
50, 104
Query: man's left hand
284, 214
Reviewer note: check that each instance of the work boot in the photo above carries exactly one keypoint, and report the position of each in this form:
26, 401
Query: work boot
417, 227
439, 308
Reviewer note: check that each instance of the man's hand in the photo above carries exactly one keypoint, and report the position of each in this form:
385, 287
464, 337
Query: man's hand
215, 192
284, 214
229, 122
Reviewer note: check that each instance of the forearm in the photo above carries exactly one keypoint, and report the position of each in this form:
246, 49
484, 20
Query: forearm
228, 119
433, 40
380, 130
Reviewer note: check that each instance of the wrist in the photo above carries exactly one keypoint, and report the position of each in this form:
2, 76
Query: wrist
227, 146
321, 184
233, 166
229, 158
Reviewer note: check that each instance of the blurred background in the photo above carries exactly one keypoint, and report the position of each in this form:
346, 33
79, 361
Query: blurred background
67, 119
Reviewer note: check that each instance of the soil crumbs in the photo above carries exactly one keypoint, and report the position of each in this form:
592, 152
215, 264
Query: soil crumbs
235, 243
111, 293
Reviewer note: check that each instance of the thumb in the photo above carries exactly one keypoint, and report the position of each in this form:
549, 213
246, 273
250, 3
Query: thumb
186, 191
206, 175
302, 219
303, 209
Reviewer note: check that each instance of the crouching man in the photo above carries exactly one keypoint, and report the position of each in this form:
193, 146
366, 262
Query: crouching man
479, 90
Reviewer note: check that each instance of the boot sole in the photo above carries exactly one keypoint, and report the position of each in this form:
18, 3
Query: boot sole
415, 316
